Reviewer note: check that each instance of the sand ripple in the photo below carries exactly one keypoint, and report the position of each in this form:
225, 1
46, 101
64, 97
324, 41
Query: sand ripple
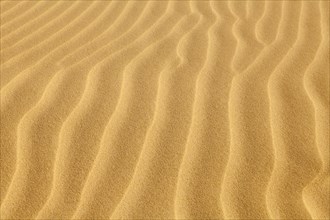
165, 109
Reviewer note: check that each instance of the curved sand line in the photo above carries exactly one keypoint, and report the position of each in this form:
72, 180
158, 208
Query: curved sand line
100, 48
17, 11
21, 169
27, 17
112, 65
249, 168
119, 128
37, 44
134, 109
27, 84
47, 140
292, 121
7, 5
66, 180
39, 81
20, 63
247, 47
200, 176
267, 26
166, 136
34, 25
317, 194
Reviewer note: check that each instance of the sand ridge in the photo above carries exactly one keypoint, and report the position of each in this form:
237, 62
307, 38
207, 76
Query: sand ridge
165, 110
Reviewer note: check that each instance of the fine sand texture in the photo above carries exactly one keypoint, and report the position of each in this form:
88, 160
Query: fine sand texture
165, 109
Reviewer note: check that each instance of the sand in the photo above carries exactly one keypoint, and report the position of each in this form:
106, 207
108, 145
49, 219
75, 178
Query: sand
165, 109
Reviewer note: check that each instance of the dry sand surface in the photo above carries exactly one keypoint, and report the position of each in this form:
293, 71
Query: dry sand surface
165, 109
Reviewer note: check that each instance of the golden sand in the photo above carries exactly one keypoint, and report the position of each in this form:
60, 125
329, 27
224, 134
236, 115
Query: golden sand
167, 109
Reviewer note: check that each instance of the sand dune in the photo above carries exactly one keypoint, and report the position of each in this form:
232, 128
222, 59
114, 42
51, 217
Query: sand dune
165, 109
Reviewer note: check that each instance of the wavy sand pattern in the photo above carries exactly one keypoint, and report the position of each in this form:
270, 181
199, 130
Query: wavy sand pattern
165, 109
